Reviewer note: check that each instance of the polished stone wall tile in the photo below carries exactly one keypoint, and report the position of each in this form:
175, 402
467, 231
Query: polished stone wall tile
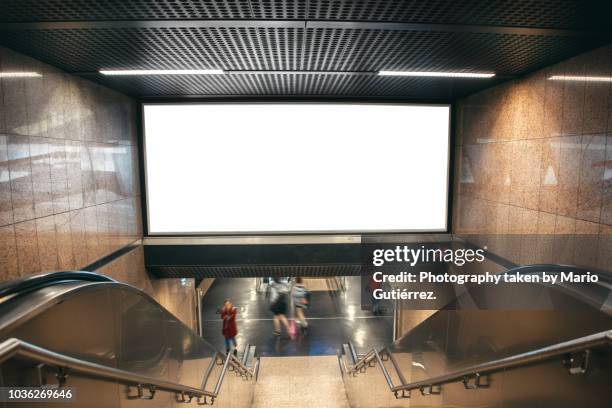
476, 121
59, 176
499, 180
92, 238
97, 154
553, 102
63, 234
590, 189
79, 238
545, 237
13, 90
54, 82
529, 234
564, 242
551, 147
72, 110
570, 161
530, 107
68, 191
47, 243
20, 173
499, 234
112, 168
597, 94
586, 243
513, 247
87, 175
606, 211
525, 174
604, 253
102, 218
2, 114
37, 99
549, 174
135, 217
41, 176
9, 267
6, 203
130, 268
573, 97
26, 240
507, 111
74, 174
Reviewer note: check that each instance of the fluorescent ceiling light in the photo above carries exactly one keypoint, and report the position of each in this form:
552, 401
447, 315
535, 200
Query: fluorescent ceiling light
580, 78
19, 75
437, 74
162, 72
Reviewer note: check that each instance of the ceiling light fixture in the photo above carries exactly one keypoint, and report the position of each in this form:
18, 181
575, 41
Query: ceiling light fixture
162, 72
437, 74
580, 78
19, 75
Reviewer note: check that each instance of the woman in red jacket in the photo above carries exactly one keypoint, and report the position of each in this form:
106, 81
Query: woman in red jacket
228, 315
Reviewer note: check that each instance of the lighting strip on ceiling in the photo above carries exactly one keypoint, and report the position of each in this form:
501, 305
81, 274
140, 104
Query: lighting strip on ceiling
437, 74
580, 78
433, 74
161, 72
20, 75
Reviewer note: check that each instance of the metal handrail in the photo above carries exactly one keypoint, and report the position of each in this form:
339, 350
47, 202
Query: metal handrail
22, 286
476, 372
18, 348
518, 360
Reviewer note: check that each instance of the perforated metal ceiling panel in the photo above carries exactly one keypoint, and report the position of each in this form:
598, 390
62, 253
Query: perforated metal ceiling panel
352, 38
520, 13
247, 271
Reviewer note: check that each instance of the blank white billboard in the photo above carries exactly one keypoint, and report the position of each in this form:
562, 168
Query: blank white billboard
296, 167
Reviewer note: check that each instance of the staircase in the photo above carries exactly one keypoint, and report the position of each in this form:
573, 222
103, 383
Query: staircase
309, 381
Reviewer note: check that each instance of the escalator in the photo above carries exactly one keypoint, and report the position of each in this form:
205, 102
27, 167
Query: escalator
553, 350
112, 345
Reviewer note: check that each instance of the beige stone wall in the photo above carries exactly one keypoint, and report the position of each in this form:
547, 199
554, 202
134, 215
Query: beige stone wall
533, 178
69, 184
178, 296
69, 181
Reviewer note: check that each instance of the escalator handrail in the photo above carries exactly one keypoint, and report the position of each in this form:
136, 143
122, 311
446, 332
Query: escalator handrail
31, 283
519, 360
18, 348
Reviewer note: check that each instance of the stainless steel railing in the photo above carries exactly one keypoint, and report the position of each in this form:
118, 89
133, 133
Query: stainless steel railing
476, 376
17, 348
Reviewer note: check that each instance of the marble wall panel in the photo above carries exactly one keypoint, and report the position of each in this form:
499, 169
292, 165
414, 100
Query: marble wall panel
544, 164
68, 192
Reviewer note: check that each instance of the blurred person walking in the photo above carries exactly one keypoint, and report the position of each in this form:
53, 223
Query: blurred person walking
230, 329
301, 300
279, 305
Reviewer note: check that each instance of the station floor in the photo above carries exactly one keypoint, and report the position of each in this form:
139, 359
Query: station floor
334, 317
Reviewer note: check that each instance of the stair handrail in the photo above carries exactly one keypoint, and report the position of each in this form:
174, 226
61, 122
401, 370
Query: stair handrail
14, 347
472, 376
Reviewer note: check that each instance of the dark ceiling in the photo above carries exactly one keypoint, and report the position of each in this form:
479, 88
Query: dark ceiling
341, 43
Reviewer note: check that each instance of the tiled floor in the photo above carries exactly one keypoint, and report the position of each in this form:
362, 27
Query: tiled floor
334, 318
289, 382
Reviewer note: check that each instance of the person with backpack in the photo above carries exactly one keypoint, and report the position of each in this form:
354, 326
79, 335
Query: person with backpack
301, 301
230, 329
279, 305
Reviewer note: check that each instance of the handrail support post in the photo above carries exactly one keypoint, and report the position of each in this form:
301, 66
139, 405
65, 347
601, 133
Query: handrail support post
577, 365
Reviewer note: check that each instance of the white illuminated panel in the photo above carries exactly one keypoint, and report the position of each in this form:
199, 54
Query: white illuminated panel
256, 168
